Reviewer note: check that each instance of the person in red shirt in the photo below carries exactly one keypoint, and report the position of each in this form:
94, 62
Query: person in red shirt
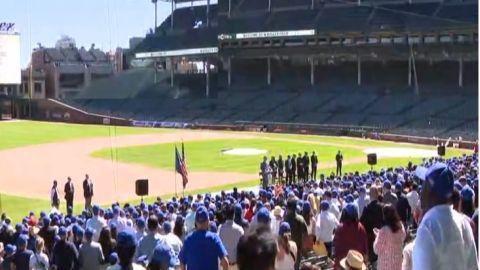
350, 234
249, 213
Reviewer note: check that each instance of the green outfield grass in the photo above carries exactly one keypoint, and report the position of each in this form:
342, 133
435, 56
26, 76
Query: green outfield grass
207, 155
23, 133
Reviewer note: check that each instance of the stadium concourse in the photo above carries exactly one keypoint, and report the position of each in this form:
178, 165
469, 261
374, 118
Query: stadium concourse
385, 219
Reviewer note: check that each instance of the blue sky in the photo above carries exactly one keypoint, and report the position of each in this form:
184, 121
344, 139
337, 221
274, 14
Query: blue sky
107, 23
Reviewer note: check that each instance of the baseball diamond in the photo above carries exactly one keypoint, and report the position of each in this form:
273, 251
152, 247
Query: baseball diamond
239, 135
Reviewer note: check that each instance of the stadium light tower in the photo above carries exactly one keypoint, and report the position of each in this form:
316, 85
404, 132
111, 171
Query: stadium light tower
155, 3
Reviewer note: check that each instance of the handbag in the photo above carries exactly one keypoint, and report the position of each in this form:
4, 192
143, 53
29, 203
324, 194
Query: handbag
320, 249
40, 262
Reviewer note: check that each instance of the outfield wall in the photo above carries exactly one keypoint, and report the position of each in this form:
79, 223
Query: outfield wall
53, 110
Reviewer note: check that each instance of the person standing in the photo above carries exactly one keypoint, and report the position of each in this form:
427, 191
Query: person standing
326, 225
306, 167
300, 166
339, 160
414, 201
371, 219
273, 166
230, 234
126, 245
257, 249
389, 239
362, 200
287, 249
444, 237
64, 253
281, 168
350, 234
388, 195
69, 192
203, 249
403, 207
314, 162
294, 168
173, 241
265, 172
288, 169
87, 191
21, 258
298, 226
96, 223
90, 254
148, 243
39, 260
55, 195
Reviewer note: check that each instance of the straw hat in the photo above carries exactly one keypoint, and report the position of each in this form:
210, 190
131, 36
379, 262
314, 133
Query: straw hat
354, 260
277, 211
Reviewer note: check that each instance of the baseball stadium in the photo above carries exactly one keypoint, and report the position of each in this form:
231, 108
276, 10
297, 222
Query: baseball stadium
218, 94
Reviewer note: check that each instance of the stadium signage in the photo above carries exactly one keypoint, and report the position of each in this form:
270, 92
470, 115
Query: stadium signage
269, 34
207, 50
7, 27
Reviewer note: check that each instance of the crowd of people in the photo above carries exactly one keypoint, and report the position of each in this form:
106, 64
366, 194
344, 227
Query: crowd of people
417, 217
294, 168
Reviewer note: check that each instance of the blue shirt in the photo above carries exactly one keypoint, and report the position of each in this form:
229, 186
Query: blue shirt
202, 250
21, 259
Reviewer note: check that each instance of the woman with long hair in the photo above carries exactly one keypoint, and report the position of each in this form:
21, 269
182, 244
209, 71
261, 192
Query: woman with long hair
350, 234
39, 260
107, 243
389, 239
179, 228
287, 249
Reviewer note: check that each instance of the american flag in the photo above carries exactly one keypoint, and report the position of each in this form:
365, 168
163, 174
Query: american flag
184, 167
181, 165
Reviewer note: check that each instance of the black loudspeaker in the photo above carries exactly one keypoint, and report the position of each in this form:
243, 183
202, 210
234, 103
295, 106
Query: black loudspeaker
441, 150
372, 159
141, 187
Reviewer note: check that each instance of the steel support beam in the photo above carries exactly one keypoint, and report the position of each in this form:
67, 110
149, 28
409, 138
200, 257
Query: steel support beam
359, 70
269, 71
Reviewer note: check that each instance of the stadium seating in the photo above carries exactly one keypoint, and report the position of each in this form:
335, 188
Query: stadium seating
292, 19
186, 18
384, 100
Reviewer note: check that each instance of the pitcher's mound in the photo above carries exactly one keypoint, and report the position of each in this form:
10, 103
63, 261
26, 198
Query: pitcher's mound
244, 151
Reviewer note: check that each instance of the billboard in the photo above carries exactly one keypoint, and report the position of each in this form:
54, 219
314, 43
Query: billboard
10, 70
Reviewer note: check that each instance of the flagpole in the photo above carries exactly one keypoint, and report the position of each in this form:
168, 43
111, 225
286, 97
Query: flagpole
183, 157
175, 173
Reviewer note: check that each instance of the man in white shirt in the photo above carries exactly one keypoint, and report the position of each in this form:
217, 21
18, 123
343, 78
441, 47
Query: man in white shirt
333, 206
444, 238
326, 224
96, 223
172, 241
413, 197
90, 253
190, 219
362, 200
118, 219
230, 234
